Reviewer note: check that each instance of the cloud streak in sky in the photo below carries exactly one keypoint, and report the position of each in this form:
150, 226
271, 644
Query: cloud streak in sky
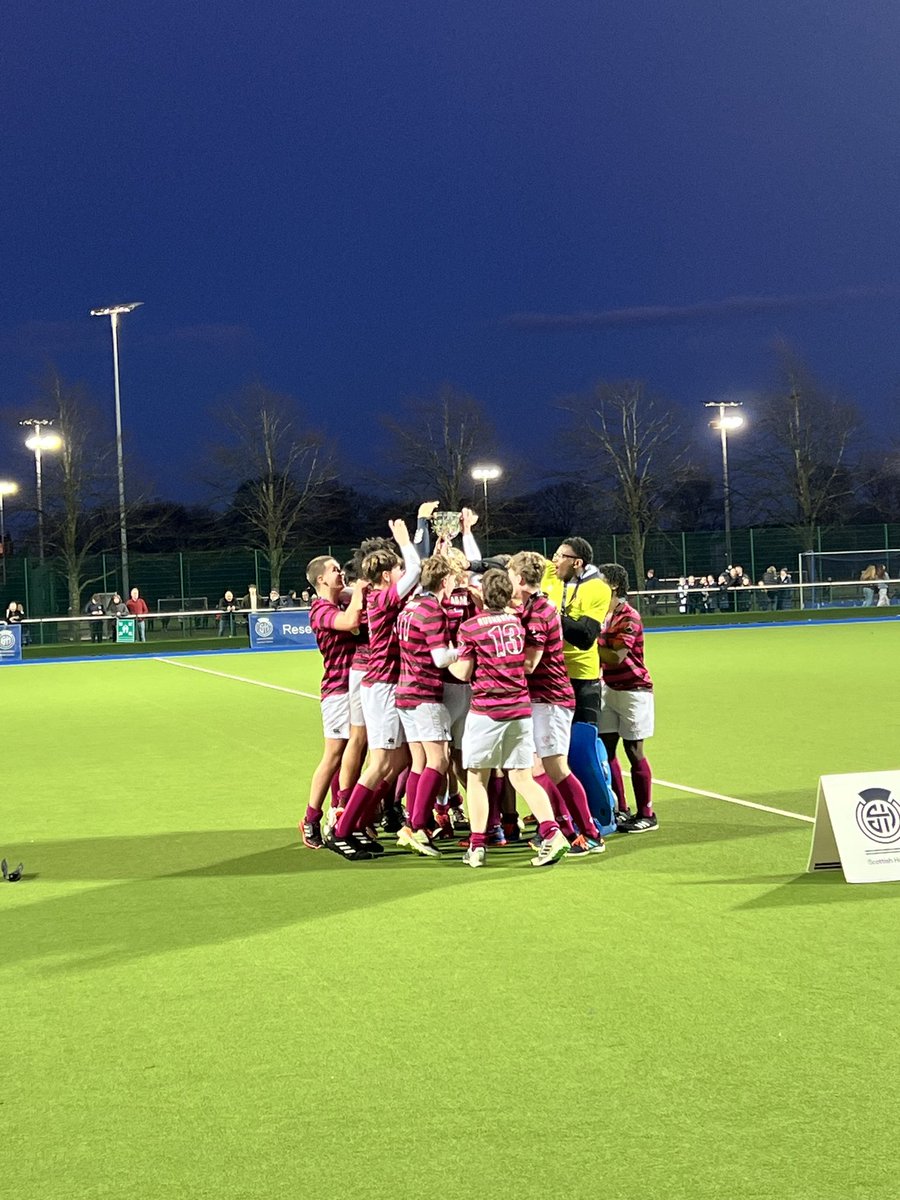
669, 314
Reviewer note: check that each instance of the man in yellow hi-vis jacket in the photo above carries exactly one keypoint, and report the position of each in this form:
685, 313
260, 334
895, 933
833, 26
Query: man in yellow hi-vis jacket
573, 584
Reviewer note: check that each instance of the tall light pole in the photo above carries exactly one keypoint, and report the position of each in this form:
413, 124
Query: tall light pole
7, 488
39, 440
724, 422
484, 473
114, 312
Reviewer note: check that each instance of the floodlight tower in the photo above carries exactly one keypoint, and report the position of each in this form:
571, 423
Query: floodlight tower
485, 473
7, 488
724, 422
40, 439
114, 312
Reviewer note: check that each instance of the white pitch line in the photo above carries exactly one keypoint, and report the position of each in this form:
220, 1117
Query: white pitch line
275, 687
678, 787
778, 812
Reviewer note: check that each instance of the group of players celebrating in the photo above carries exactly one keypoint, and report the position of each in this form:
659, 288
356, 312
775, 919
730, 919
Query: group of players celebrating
449, 670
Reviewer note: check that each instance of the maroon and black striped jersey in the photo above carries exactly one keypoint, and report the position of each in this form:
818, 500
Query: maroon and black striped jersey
495, 642
383, 607
624, 627
361, 654
335, 645
421, 628
549, 682
458, 606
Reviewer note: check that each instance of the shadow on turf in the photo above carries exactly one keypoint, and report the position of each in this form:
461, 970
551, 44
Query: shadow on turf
177, 891
826, 887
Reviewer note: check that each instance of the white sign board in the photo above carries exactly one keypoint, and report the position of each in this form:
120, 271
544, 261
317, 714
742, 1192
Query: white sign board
857, 826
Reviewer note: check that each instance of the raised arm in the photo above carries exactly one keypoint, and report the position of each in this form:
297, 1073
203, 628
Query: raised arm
412, 564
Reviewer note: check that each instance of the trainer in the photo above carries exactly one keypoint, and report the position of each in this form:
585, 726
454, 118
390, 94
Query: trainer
574, 585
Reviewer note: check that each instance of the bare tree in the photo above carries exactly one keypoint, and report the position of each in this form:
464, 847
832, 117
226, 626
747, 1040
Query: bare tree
805, 441
629, 444
435, 443
277, 465
79, 488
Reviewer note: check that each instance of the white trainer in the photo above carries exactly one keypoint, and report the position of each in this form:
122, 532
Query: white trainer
419, 841
552, 850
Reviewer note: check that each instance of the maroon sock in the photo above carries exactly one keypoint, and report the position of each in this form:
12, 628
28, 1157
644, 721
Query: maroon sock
400, 786
343, 796
359, 801
454, 800
477, 839
495, 790
618, 784
641, 781
430, 786
577, 802
547, 829
335, 786
313, 815
370, 814
560, 808
412, 788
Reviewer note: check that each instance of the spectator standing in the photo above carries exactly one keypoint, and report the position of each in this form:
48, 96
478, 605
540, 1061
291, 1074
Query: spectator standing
94, 608
652, 585
881, 585
137, 606
115, 609
783, 592
227, 608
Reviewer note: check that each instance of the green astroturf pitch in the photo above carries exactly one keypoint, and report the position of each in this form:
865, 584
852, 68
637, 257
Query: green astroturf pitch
193, 1005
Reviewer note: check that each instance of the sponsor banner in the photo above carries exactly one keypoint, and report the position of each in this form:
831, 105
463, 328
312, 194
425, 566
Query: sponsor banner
287, 630
857, 827
10, 644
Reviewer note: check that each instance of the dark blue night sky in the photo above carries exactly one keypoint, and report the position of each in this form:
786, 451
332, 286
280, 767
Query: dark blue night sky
350, 202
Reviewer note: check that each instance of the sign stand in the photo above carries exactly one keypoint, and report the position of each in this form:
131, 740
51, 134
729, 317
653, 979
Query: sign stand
857, 827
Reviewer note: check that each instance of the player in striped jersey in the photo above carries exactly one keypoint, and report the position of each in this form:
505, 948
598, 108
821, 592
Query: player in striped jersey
552, 699
391, 582
626, 700
335, 622
498, 730
424, 652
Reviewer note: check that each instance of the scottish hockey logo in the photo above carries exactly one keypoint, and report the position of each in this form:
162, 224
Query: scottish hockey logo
878, 815
7, 640
263, 627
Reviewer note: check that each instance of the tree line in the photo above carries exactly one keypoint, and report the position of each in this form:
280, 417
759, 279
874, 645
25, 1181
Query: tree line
628, 461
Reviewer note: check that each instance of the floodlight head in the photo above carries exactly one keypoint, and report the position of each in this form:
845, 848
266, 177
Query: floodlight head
115, 309
43, 441
730, 422
8, 488
485, 472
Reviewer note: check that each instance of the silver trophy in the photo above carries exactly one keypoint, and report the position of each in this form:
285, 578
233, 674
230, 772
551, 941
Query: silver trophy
446, 525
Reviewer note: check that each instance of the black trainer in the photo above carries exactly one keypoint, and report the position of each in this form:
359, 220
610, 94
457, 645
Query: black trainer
639, 824
347, 848
394, 818
311, 833
370, 845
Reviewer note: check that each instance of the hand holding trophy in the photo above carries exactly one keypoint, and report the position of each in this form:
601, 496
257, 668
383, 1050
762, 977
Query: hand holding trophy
446, 526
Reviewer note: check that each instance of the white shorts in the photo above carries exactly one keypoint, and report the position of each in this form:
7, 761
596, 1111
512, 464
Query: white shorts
501, 744
382, 718
356, 712
336, 716
457, 697
428, 722
629, 714
552, 729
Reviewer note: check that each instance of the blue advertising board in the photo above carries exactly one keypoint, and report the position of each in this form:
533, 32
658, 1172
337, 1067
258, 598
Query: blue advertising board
10, 644
287, 630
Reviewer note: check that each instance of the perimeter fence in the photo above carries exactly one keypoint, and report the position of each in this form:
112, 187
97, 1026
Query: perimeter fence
198, 579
